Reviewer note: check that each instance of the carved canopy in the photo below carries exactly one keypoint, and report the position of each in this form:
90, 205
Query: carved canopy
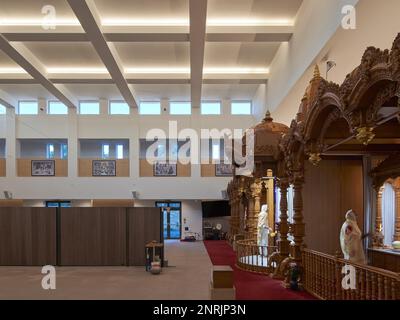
364, 107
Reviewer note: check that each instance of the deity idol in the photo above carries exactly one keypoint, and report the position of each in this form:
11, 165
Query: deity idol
351, 239
262, 227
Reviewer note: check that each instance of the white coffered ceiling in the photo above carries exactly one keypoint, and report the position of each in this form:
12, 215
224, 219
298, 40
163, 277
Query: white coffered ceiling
141, 49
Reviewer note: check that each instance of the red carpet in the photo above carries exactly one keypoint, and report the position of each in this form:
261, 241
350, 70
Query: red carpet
250, 286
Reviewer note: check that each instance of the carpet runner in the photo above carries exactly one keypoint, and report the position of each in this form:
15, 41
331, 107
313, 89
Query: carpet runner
251, 286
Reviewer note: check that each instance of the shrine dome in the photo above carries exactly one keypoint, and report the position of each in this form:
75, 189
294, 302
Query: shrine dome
267, 134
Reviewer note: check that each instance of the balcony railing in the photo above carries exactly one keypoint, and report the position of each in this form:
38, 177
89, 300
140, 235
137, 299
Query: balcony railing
254, 258
324, 279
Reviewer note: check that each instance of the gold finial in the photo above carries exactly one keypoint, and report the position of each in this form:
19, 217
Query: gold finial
317, 74
268, 117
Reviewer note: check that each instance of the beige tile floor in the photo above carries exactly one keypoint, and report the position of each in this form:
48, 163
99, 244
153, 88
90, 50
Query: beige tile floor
187, 278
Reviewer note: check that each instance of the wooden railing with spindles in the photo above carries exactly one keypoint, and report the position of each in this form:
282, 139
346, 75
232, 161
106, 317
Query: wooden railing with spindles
322, 277
254, 258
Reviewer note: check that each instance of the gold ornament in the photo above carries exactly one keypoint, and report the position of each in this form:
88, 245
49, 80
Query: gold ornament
315, 158
365, 135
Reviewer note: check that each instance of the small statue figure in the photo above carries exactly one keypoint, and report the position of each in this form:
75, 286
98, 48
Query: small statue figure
351, 239
263, 229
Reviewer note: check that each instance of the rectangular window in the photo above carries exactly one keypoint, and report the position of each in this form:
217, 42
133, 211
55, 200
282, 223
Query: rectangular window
150, 108
57, 107
64, 151
120, 151
241, 108
216, 151
105, 151
118, 107
50, 151
210, 108
3, 109
161, 149
28, 107
91, 108
180, 108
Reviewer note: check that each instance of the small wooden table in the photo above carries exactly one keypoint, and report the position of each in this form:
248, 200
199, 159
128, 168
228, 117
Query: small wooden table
151, 249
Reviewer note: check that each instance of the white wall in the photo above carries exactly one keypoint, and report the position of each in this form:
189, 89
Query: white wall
377, 25
133, 127
316, 22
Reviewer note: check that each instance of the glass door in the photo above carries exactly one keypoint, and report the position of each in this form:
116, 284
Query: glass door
171, 219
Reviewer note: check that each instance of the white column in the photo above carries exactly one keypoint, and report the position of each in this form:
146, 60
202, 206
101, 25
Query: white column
42, 104
103, 106
10, 124
226, 107
73, 148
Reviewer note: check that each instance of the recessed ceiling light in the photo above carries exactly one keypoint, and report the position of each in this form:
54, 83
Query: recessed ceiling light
116, 22
158, 70
38, 22
77, 70
248, 22
15, 70
235, 70
181, 22
205, 71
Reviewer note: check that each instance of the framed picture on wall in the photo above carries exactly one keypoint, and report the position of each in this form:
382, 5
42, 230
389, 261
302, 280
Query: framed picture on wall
104, 168
223, 170
43, 168
164, 169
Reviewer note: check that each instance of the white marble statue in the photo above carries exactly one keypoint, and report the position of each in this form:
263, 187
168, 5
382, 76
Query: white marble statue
351, 239
262, 227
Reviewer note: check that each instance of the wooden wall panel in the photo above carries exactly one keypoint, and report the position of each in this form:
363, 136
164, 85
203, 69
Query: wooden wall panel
208, 170
61, 168
144, 225
122, 168
27, 236
93, 237
24, 167
12, 203
184, 170
330, 190
145, 168
2, 167
85, 167
112, 203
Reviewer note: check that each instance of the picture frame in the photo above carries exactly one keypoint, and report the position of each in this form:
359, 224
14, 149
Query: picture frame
223, 170
161, 169
104, 168
43, 168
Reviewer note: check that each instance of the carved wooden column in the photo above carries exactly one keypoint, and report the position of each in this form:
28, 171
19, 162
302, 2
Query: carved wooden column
283, 243
237, 213
256, 189
250, 215
298, 224
396, 236
377, 241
